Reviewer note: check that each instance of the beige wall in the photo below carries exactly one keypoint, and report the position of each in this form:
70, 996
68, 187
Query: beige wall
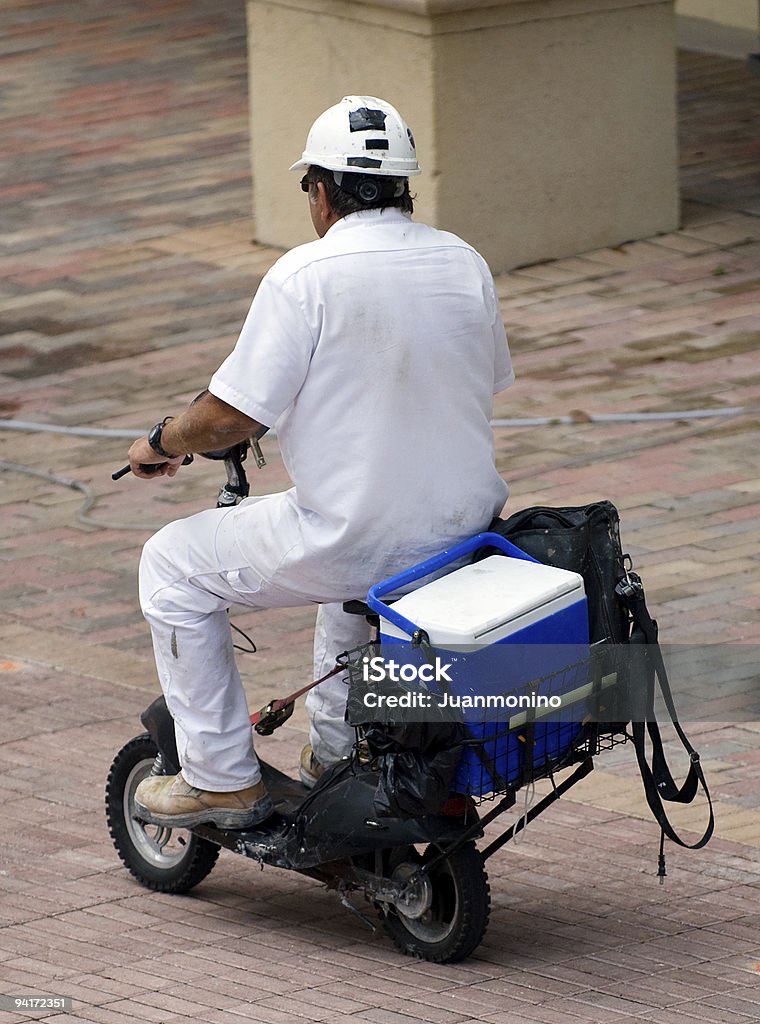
303, 58
728, 27
578, 146
544, 127
733, 13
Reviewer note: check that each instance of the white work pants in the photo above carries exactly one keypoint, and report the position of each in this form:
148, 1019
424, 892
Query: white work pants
191, 572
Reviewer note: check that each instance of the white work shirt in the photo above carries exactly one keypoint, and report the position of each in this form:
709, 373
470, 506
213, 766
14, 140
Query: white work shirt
375, 352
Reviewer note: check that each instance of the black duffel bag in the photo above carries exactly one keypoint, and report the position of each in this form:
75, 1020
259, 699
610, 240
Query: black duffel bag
584, 539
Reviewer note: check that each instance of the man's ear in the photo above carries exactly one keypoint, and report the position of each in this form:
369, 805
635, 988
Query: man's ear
322, 198
322, 213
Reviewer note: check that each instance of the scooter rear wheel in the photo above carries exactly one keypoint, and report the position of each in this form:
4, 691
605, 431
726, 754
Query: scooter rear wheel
447, 916
165, 860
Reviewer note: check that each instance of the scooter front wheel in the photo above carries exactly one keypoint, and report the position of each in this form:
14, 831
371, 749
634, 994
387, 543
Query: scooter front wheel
446, 913
166, 860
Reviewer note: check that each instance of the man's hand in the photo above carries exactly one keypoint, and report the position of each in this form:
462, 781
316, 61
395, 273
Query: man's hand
141, 455
208, 425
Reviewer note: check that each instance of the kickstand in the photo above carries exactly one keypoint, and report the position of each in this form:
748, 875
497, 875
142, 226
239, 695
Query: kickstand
362, 917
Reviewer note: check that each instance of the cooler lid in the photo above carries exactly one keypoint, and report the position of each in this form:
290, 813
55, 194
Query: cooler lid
482, 596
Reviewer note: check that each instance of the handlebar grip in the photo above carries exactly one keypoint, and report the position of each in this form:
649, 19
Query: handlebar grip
128, 469
146, 468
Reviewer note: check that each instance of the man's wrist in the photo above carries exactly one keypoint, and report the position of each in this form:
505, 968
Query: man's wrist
155, 439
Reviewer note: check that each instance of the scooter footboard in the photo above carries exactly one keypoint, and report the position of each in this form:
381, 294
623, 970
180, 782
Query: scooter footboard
334, 822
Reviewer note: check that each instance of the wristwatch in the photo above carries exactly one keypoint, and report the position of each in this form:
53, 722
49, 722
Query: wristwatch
154, 438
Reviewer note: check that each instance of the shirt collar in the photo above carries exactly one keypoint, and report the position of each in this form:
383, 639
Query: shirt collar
366, 218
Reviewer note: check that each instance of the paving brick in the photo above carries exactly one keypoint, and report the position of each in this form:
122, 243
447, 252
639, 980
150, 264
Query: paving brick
127, 265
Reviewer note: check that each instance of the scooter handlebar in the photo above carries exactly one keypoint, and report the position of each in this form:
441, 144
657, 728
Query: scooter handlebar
146, 467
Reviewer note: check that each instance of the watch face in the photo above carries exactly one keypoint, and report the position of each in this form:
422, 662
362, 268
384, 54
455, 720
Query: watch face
154, 439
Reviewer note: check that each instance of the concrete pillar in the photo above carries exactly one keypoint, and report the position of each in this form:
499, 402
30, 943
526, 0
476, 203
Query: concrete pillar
732, 13
728, 27
543, 127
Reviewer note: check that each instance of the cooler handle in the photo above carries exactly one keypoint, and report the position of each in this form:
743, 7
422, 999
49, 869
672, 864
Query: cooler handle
417, 572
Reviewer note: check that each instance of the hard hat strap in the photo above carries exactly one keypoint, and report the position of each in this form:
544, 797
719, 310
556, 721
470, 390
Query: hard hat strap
369, 188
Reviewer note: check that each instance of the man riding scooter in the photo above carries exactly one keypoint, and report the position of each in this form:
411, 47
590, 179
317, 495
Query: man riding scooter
375, 352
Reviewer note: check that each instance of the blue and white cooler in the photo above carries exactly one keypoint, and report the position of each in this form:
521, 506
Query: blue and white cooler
511, 636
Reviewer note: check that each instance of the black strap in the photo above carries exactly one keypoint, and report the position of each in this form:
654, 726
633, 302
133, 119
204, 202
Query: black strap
488, 764
659, 784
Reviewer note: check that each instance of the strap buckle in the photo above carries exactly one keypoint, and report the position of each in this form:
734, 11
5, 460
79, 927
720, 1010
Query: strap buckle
630, 586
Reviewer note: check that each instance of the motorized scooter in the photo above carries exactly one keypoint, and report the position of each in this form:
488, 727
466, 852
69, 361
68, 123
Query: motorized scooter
424, 876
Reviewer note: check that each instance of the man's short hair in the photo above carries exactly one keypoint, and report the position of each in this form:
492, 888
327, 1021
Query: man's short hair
354, 192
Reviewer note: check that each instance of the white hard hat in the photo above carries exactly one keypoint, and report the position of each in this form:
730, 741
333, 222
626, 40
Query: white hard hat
361, 134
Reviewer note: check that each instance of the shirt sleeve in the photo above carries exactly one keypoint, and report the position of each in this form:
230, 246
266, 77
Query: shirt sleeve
263, 374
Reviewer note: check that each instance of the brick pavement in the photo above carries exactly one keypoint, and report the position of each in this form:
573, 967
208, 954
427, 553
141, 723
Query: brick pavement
127, 266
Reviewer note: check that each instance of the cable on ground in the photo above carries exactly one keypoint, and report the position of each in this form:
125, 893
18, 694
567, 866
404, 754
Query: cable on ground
573, 419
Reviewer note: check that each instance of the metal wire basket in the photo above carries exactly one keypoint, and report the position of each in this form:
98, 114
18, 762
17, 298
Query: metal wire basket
510, 746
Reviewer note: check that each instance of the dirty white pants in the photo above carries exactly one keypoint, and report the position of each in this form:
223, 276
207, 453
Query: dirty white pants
335, 631
191, 572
